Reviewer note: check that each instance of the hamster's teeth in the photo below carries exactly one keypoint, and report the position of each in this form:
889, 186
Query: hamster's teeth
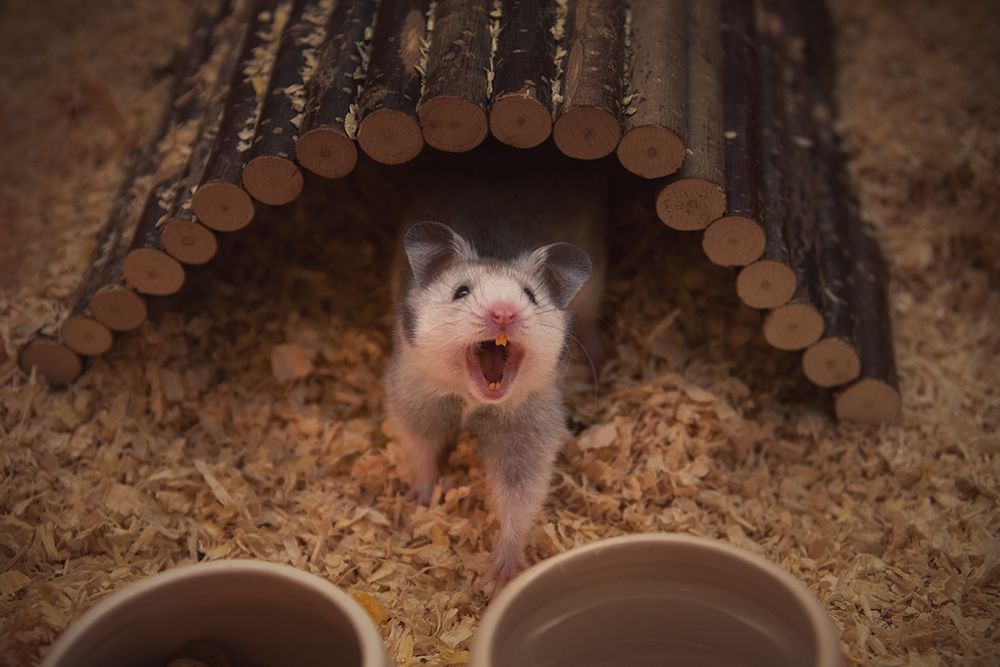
495, 386
501, 340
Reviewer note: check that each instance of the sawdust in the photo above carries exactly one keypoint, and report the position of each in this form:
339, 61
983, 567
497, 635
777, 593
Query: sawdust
182, 445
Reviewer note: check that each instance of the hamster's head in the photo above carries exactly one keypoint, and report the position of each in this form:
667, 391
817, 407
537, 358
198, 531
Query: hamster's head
489, 329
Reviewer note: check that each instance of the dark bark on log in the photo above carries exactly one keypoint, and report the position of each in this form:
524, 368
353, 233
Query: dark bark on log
523, 69
657, 115
452, 109
271, 175
220, 202
588, 121
697, 197
737, 239
326, 144
388, 130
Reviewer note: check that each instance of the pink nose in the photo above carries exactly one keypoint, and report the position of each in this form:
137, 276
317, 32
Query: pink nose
503, 313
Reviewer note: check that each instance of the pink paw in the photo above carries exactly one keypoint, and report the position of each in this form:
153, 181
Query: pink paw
504, 569
421, 493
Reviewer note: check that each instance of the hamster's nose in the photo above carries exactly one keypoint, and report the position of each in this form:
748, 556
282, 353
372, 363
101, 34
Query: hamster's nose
503, 312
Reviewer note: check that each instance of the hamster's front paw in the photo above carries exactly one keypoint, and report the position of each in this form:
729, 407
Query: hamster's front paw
421, 492
506, 566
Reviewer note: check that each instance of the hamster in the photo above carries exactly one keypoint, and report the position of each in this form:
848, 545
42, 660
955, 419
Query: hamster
486, 287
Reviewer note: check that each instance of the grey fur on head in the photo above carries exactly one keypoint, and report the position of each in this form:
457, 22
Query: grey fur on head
430, 248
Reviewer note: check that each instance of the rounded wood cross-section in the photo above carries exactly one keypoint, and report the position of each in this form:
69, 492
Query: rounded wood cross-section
690, 203
651, 151
273, 180
118, 308
521, 122
85, 335
189, 241
327, 152
868, 400
452, 124
152, 271
765, 284
831, 362
55, 362
733, 241
390, 137
222, 206
794, 326
586, 133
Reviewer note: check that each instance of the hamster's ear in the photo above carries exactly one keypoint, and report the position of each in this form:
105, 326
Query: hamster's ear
563, 268
431, 248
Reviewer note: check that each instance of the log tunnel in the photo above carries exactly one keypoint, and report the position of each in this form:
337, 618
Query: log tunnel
728, 107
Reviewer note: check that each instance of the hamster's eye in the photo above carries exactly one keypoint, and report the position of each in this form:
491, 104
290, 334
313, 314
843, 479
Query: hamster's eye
531, 296
461, 292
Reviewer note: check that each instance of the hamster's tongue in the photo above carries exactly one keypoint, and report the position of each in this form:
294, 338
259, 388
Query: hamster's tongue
492, 358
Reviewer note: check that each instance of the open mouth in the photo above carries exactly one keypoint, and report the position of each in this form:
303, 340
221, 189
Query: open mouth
493, 364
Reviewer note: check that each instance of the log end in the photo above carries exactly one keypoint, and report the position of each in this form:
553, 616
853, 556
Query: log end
831, 362
189, 241
690, 203
794, 326
85, 335
55, 362
521, 122
118, 308
452, 124
150, 271
273, 180
765, 284
223, 206
390, 137
733, 241
651, 152
586, 133
327, 152
870, 401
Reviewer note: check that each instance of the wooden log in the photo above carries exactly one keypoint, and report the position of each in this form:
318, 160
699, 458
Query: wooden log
523, 69
220, 202
326, 145
737, 239
452, 109
271, 175
771, 281
102, 303
698, 197
55, 362
656, 118
588, 122
388, 131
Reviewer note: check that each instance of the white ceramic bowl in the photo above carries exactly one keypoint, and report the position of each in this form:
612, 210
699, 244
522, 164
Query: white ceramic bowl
655, 599
261, 613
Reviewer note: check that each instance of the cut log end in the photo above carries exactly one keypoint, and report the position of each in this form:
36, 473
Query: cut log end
651, 151
272, 179
55, 362
733, 241
150, 271
690, 203
85, 335
452, 124
223, 206
118, 308
390, 137
189, 241
586, 133
327, 152
870, 401
794, 326
765, 284
521, 122
831, 362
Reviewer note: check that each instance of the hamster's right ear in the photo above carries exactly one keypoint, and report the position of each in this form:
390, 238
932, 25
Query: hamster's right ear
431, 248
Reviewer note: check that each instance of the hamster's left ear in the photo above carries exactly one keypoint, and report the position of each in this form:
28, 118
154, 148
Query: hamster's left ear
431, 248
563, 268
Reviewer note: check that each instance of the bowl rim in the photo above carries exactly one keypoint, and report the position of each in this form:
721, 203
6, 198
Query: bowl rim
827, 638
369, 640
